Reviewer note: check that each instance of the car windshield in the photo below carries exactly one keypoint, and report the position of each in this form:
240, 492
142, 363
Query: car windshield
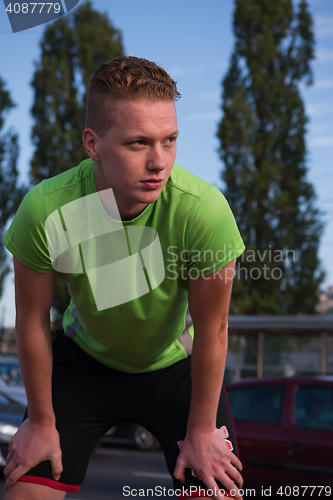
10, 373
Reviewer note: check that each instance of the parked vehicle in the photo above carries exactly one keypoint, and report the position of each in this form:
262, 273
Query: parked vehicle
11, 415
11, 382
285, 434
132, 433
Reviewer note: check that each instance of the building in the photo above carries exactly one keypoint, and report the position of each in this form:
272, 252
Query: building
266, 346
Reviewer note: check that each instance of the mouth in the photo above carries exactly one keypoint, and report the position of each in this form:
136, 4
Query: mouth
152, 183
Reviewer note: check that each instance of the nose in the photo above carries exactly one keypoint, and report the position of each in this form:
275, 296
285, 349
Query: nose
156, 160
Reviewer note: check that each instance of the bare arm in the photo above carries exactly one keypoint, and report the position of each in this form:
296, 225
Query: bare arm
204, 449
37, 438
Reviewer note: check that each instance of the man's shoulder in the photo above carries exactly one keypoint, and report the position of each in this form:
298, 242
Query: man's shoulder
188, 197
69, 179
185, 182
63, 188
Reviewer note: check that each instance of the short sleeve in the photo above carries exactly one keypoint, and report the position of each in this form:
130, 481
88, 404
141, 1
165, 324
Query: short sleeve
213, 238
26, 237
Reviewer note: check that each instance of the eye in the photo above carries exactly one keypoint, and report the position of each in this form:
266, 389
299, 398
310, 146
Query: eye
136, 145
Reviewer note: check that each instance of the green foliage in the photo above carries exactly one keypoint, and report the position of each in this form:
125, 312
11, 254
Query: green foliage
10, 193
71, 49
262, 146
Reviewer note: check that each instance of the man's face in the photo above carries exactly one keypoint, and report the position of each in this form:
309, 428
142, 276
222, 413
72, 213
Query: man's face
135, 156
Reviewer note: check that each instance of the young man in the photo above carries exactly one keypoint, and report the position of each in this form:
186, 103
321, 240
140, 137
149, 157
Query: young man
137, 239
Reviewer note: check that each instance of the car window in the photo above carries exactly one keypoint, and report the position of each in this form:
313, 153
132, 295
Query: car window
314, 408
10, 373
260, 404
4, 400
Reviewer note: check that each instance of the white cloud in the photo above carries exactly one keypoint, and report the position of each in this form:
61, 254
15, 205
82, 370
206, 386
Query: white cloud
322, 141
324, 83
210, 96
319, 109
321, 84
176, 71
323, 26
324, 55
197, 69
190, 70
215, 115
318, 129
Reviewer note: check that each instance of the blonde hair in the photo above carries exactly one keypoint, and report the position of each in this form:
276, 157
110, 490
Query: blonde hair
125, 78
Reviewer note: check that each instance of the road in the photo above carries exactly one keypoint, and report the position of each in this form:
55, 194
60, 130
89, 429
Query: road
113, 469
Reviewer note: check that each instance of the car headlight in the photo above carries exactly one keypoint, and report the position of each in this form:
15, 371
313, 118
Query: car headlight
7, 430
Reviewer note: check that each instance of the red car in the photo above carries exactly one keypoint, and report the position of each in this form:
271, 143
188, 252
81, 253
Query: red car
285, 435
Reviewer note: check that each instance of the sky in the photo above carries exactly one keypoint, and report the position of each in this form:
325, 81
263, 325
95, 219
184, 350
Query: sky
193, 41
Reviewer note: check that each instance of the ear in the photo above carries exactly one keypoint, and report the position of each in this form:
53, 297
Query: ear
89, 140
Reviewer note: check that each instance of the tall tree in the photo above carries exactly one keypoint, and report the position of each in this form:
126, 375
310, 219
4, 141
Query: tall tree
262, 145
71, 49
10, 193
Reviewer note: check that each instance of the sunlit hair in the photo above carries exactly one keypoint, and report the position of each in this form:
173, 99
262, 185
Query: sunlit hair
125, 78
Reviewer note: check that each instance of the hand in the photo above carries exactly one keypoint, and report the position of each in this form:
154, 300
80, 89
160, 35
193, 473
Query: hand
208, 455
33, 443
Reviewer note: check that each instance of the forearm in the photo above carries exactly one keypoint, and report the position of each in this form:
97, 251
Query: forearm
208, 363
204, 449
37, 439
35, 356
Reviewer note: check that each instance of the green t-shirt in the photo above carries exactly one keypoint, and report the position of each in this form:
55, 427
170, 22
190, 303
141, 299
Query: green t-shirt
128, 280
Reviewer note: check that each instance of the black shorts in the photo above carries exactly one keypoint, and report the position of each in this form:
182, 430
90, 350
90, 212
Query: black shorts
89, 398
